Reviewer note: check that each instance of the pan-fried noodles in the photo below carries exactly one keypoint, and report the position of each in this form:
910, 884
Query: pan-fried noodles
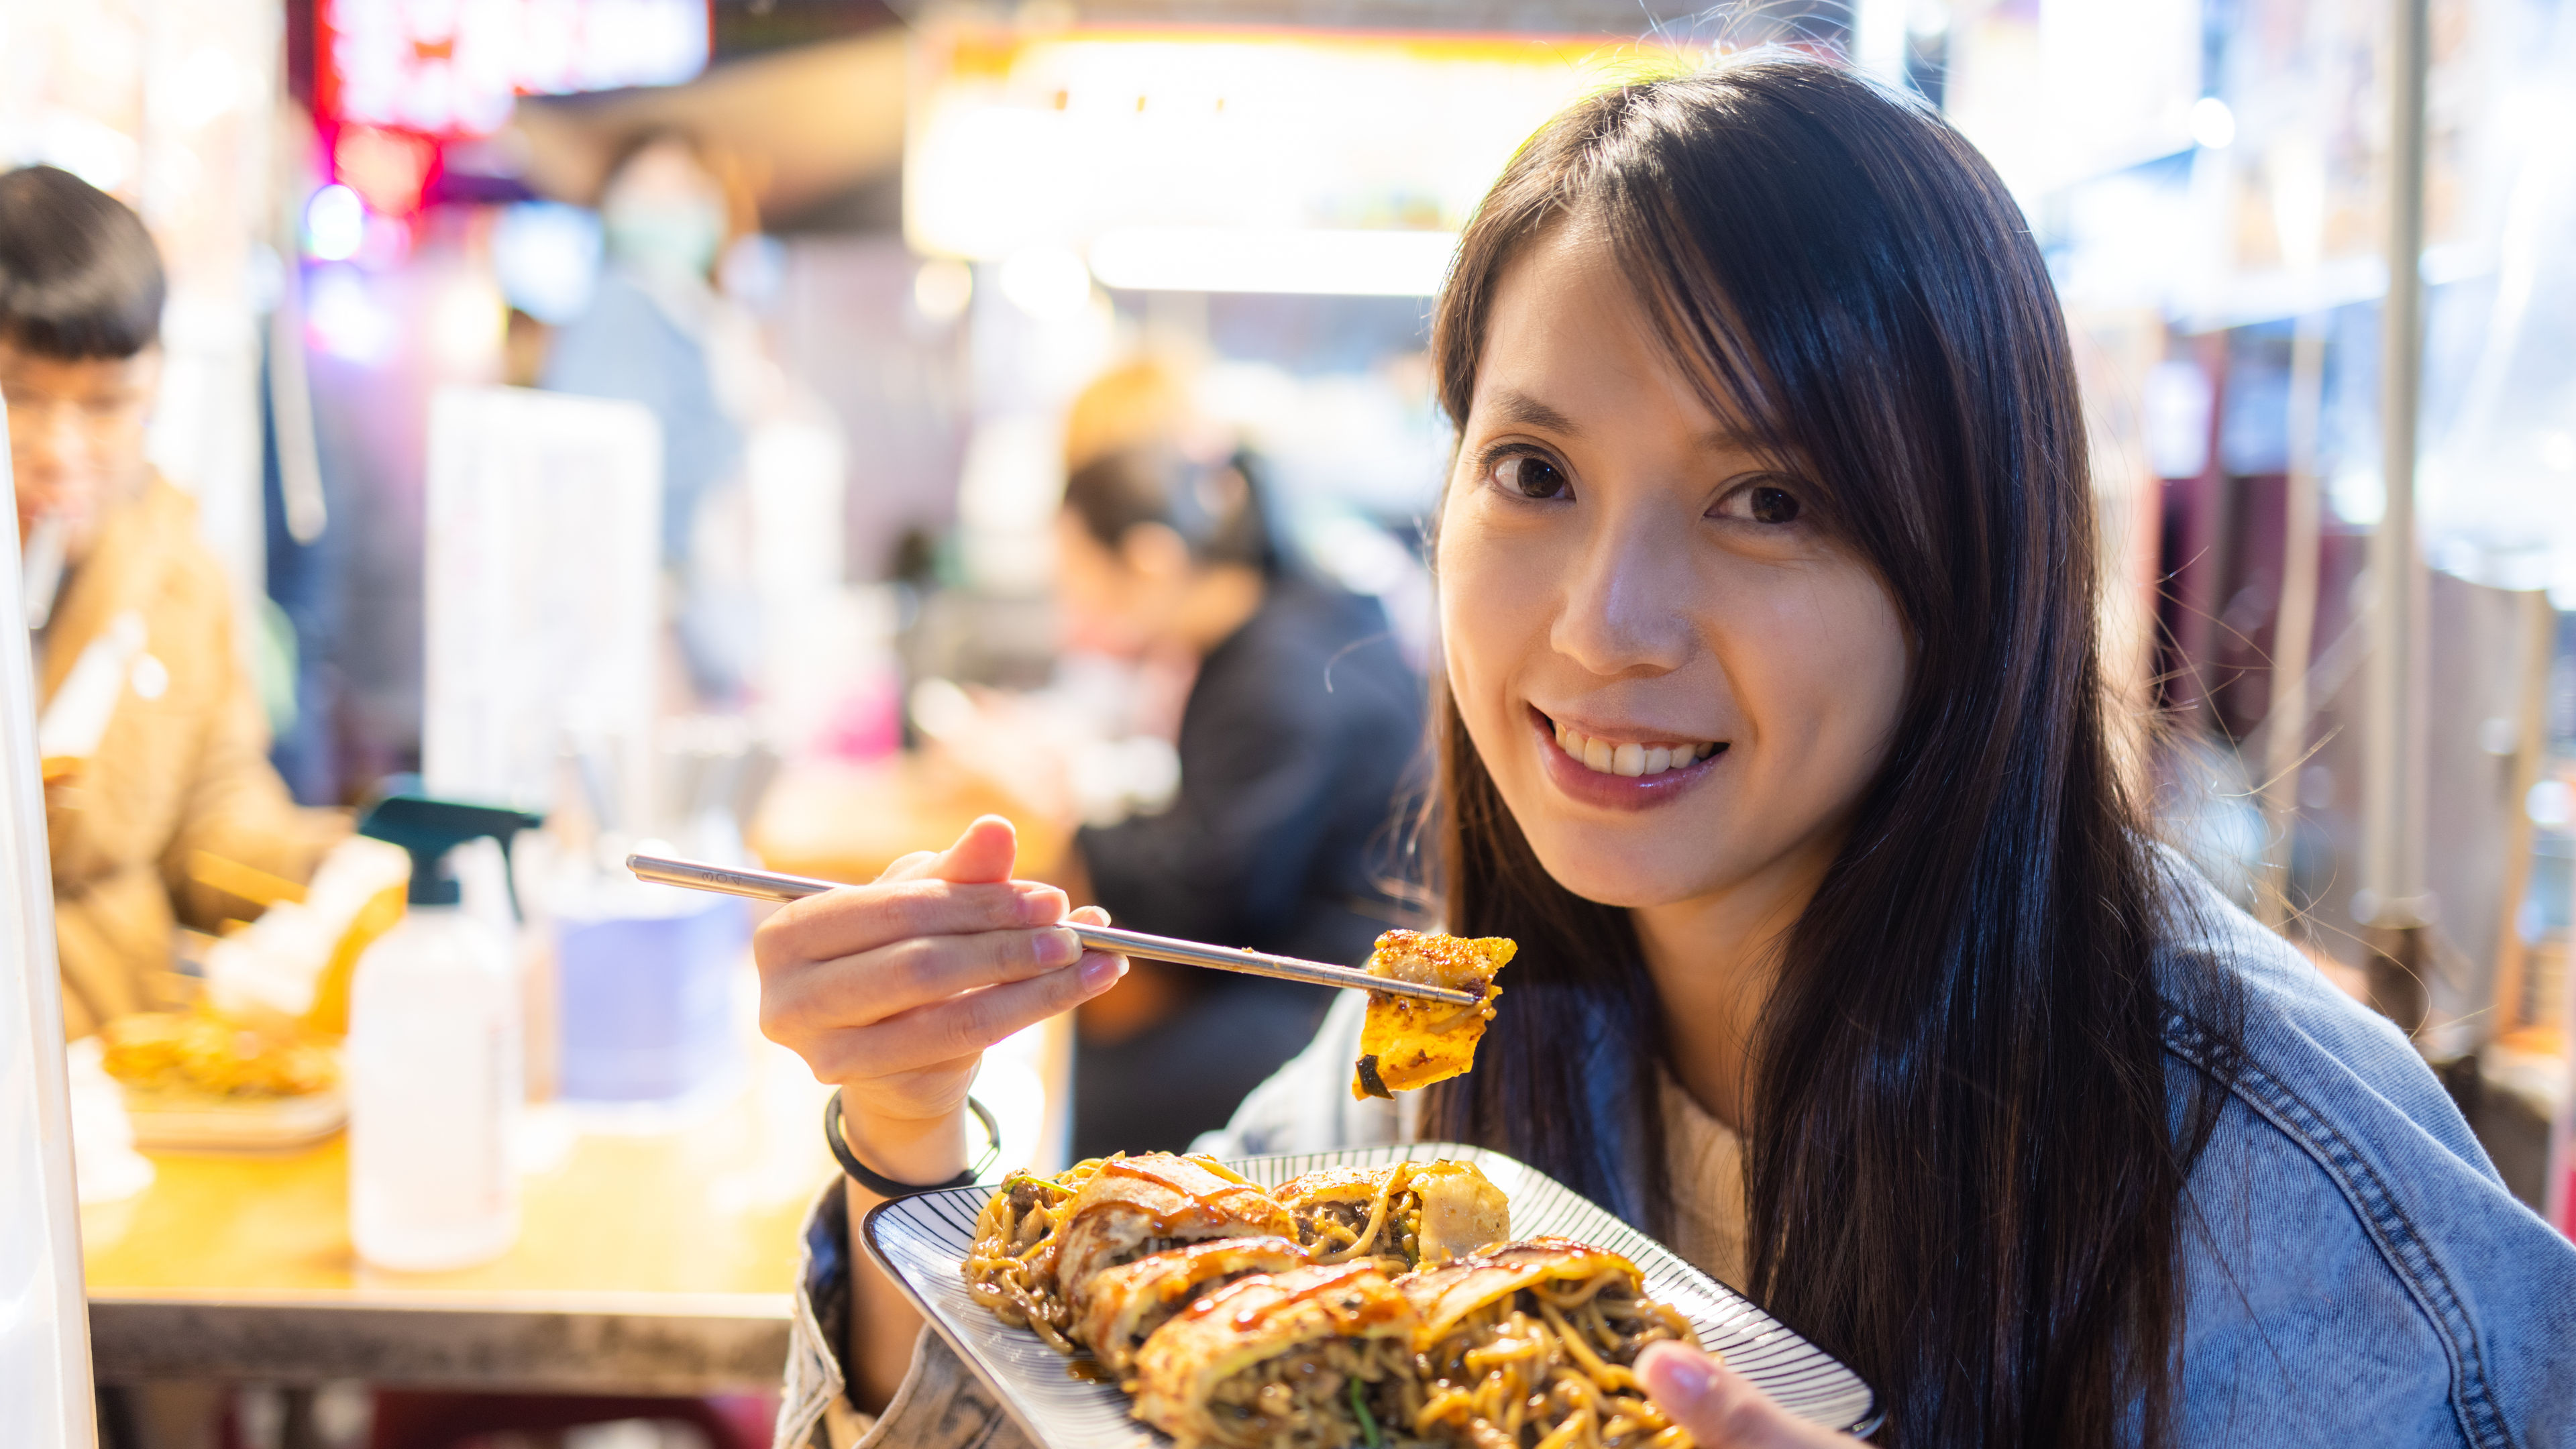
1532, 1346
1010, 1269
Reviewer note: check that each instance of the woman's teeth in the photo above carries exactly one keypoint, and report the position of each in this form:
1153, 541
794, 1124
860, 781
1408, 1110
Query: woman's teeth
1629, 759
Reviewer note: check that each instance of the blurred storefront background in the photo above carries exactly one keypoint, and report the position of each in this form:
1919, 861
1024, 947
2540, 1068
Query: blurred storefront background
843, 267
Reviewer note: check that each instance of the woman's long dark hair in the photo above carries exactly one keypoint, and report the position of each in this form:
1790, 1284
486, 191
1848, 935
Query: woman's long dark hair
1962, 1160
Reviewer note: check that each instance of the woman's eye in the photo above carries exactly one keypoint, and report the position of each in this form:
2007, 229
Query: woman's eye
1761, 503
1531, 477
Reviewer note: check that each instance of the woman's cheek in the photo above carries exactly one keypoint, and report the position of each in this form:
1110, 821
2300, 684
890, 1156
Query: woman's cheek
1836, 663
1492, 608
1870, 665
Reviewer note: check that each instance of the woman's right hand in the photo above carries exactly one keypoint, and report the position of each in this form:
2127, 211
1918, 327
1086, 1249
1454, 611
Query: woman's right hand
893, 990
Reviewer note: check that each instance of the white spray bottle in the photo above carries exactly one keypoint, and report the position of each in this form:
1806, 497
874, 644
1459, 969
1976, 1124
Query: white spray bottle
433, 1058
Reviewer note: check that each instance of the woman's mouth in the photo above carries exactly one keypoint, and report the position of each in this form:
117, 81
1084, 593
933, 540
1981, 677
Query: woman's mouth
1620, 757
1629, 773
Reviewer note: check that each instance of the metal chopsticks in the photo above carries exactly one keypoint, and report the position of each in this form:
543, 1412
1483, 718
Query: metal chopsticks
770, 886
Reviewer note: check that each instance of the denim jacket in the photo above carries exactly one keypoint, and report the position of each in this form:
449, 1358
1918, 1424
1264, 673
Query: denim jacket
2355, 1272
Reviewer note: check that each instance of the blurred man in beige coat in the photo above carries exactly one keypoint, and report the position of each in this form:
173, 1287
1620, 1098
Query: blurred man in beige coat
166, 795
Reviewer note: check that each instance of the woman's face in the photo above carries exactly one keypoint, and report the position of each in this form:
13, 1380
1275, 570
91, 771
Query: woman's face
1679, 681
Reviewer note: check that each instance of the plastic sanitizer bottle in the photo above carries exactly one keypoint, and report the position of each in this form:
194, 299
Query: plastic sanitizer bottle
433, 1058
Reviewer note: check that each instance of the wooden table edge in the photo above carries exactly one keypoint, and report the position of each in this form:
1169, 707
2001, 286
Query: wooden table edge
565, 1343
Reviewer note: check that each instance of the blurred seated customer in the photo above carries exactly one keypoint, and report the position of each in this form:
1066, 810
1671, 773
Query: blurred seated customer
1298, 736
171, 768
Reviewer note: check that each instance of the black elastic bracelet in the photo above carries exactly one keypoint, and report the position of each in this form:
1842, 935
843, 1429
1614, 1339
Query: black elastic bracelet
887, 1187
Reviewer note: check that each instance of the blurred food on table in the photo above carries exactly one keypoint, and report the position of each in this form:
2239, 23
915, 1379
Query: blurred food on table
203, 1053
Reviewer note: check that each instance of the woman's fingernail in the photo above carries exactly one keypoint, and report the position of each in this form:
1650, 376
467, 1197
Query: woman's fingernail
1676, 1379
1042, 907
1099, 971
1059, 948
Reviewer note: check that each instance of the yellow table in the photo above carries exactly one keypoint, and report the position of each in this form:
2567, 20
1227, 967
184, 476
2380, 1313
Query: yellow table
660, 1263
647, 1264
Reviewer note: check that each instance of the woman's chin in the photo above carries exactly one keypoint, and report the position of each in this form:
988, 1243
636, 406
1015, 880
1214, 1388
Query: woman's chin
1628, 874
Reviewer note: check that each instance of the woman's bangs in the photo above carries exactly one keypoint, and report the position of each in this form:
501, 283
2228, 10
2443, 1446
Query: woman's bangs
1691, 302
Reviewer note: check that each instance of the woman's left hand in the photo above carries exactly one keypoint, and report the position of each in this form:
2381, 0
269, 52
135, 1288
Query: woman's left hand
1722, 1409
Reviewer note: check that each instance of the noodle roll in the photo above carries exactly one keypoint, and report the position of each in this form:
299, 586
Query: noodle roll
1134, 1206
1313, 1358
1127, 1303
1411, 1214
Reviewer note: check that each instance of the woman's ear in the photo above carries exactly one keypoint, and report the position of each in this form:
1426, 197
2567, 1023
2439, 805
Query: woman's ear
1154, 551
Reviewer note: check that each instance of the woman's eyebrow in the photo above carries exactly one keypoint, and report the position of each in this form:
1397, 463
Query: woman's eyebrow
1512, 406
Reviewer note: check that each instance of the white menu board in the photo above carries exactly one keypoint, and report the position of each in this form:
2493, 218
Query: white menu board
543, 525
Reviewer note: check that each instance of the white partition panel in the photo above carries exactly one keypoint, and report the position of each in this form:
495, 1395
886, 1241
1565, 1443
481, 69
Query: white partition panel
544, 521
44, 1320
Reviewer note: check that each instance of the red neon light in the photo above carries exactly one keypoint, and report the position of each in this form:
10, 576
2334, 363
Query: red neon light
449, 69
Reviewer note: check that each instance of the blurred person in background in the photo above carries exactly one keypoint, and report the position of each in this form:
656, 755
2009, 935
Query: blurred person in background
1297, 725
123, 593
659, 333
1299, 728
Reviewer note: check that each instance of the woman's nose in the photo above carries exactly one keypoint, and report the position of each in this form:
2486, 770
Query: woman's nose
1625, 602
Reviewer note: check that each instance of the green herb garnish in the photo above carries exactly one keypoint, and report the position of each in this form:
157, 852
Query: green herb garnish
1368, 1425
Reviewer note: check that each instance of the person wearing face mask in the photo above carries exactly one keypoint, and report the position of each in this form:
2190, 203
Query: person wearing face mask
1772, 725
138, 664
657, 333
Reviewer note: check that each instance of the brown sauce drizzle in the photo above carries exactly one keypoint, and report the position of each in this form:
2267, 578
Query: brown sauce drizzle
1213, 1201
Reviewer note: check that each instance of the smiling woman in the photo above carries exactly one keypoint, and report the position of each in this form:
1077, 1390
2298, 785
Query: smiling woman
1771, 464
1773, 730
1717, 355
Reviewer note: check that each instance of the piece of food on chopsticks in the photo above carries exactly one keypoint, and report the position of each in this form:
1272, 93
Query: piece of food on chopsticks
1408, 1042
1127, 1303
203, 1053
1040, 1241
1409, 1214
1313, 1358
1534, 1343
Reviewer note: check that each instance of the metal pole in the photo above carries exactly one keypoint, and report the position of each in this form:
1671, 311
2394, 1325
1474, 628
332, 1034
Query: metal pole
2285, 732
2394, 902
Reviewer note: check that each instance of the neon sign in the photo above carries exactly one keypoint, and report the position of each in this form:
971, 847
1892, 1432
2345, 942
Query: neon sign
453, 68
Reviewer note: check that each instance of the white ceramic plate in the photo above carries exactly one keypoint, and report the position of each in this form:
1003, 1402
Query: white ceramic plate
189, 1122
922, 1242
